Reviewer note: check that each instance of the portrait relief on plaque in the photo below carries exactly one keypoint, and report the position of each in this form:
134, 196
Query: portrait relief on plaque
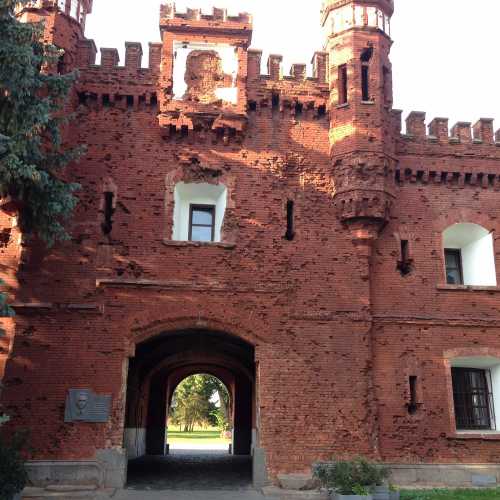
205, 73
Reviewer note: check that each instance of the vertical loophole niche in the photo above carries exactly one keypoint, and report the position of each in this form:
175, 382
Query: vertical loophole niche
290, 230
413, 404
107, 224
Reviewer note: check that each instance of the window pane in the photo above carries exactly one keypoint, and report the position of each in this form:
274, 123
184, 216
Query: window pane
200, 233
451, 258
203, 216
453, 277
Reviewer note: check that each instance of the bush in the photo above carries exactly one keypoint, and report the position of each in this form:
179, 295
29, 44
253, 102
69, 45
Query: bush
12, 471
350, 477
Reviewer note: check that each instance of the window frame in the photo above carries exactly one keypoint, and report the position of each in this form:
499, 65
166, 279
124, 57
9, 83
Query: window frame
457, 252
463, 401
201, 207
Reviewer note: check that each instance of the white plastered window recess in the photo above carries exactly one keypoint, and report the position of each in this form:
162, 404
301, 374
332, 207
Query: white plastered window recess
188, 225
469, 255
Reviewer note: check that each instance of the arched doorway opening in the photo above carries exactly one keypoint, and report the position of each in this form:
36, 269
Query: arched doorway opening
200, 417
159, 366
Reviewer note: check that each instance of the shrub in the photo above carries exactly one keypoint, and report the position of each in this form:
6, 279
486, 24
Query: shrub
12, 469
350, 477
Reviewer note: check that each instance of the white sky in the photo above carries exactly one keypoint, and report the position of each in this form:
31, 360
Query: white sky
444, 55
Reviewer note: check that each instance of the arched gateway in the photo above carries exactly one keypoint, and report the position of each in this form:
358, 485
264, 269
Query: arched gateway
161, 362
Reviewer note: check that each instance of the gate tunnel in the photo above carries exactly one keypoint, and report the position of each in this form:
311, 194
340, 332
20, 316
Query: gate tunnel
162, 362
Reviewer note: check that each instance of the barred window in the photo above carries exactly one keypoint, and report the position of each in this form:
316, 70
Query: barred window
473, 399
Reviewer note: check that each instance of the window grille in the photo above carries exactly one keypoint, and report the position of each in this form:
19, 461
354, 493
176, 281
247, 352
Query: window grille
473, 399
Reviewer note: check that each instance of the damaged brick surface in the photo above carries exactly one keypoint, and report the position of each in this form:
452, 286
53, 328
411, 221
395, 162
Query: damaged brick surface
336, 327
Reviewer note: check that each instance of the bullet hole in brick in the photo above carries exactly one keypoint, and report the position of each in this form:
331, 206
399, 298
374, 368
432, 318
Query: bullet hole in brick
290, 233
413, 404
82, 98
107, 225
275, 101
130, 101
252, 105
299, 107
5, 237
321, 111
154, 100
405, 262
342, 83
106, 101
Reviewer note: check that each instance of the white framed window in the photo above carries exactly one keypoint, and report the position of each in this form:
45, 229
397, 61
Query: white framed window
199, 212
476, 393
469, 255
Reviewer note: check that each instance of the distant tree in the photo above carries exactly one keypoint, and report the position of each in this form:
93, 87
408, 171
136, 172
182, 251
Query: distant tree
32, 101
194, 402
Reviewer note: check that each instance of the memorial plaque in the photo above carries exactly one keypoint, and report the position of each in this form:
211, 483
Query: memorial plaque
82, 405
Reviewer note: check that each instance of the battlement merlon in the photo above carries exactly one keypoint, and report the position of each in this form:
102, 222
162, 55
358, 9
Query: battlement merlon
194, 21
437, 130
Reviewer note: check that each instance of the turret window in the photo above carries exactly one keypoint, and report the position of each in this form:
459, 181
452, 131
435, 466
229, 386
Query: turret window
342, 82
366, 56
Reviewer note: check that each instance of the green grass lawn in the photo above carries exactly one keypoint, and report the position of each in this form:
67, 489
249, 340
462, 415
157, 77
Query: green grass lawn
209, 436
451, 494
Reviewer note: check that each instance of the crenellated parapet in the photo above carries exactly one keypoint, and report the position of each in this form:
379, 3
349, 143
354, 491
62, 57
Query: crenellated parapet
295, 94
195, 20
436, 134
431, 154
109, 84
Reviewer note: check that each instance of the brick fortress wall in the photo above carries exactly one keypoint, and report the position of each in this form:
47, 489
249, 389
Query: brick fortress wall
337, 329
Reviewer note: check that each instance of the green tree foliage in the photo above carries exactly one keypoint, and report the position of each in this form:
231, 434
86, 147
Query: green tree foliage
193, 402
32, 102
13, 475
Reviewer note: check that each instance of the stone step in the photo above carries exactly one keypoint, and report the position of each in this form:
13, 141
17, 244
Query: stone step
297, 482
273, 492
66, 492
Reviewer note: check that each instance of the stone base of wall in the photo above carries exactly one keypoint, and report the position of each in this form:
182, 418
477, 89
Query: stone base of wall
448, 475
107, 470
